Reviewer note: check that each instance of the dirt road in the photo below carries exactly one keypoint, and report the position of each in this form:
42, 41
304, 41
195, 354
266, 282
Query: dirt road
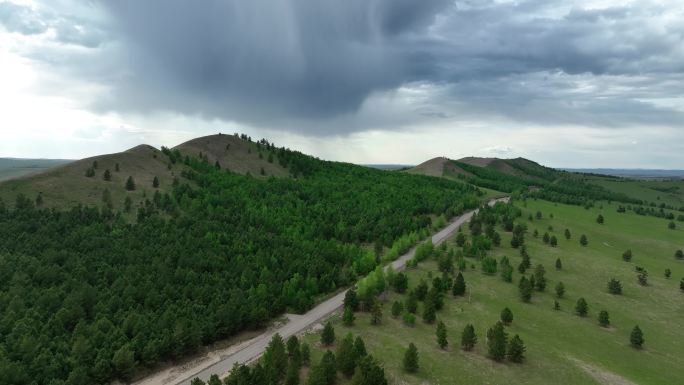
297, 324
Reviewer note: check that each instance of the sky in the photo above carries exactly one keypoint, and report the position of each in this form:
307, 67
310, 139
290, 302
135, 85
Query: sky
567, 83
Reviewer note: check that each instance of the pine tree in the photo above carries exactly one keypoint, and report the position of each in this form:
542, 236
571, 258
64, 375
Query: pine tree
556, 305
642, 277
681, 285
155, 182
292, 374
507, 273
497, 340
525, 289
506, 316
429, 312
39, 199
522, 268
679, 254
539, 278
90, 172
305, 353
328, 334
581, 308
516, 349
107, 176
614, 286
559, 264
560, 290
130, 184
671, 225
329, 365
421, 290
116, 167
411, 359
215, 380
348, 317
275, 356
567, 234
460, 239
441, 333
368, 372
599, 219
400, 283
293, 346
627, 255
397, 309
376, 313
546, 238
583, 240
412, 303
668, 273
468, 337
604, 318
636, 338
346, 357
359, 348
459, 287
526, 260
350, 300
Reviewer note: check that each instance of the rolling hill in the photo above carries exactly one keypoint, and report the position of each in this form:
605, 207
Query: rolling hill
525, 177
90, 294
67, 184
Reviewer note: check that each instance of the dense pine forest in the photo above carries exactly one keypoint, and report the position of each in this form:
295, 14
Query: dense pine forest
87, 295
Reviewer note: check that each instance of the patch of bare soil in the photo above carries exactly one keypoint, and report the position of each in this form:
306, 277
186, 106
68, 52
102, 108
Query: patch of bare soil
601, 375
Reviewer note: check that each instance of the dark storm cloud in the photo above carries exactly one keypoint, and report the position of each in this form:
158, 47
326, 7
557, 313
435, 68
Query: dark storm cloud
260, 61
309, 65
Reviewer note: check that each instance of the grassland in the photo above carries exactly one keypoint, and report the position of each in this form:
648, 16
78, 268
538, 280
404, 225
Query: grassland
562, 348
670, 192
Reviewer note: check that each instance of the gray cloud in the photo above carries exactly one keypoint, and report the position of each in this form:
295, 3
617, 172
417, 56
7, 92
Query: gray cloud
312, 65
263, 61
69, 28
20, 19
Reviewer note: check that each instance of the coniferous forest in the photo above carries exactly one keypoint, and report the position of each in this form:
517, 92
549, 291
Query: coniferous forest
88, 295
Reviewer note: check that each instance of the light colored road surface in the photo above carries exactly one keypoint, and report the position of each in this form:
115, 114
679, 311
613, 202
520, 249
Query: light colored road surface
298, 324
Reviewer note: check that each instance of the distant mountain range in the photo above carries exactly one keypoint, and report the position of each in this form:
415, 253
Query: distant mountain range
15, 167
631, 173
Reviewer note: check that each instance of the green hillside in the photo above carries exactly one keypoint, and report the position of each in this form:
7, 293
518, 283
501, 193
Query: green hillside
562, 347
90, 293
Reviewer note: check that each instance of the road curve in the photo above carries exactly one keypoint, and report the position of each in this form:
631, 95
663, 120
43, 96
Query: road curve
301, 323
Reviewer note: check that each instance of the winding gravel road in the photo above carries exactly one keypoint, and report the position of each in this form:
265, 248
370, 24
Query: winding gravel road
298, 324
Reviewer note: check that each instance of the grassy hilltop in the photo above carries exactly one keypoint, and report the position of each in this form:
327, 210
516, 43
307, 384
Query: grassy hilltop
69, 184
